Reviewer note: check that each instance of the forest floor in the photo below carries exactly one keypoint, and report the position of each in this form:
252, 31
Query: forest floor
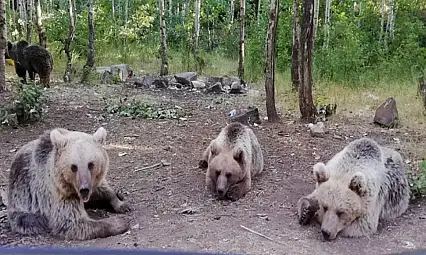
173, 211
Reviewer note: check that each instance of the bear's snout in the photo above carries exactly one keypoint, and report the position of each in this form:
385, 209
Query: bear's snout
326, 234
84, 193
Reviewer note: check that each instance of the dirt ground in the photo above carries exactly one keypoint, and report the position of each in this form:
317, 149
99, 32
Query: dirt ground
172, 210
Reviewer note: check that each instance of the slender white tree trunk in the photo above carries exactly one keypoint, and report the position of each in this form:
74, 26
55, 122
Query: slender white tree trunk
232, 11
164, 70
197, 24
242, 38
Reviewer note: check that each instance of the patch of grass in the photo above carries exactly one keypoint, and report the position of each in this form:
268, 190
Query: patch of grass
138, 109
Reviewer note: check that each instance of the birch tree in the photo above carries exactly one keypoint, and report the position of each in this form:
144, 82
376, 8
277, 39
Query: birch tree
295, 47
164, 61
91, 47
197, 24
242, 36
327, 22
71, 36
29, 19
382, 19
306, 103
316, 14
270, 62
41, 31
232, 11
3, 45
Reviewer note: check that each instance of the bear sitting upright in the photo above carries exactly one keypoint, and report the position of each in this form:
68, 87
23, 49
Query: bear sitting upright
361, 185
52, 177
232, 159
31, 58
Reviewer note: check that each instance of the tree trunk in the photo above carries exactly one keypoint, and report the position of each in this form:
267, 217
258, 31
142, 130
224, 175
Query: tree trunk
295, 48
327, 22
259, 5
382, 19
22, 16
40, 27
164, 70
270, 62
91, 48
232, 10
3, 45
29, 16
241, 52
70, 39
197, 25
316, 14
306, 104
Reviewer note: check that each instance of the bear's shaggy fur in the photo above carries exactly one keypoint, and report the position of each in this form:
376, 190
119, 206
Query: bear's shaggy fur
32, 59
53, 177
232, 159
361, 185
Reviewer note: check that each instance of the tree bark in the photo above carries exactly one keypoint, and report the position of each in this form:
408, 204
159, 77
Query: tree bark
41, 31
91, 48
71, 35
232, 11
164, 70
197, 24
270, 62
327, 22
316, 14
29, 16
3, 45
295, 48
242, 36
306, 104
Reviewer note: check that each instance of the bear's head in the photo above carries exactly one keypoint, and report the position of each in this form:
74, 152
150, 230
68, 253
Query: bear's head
80, 163
225, 168
340, 203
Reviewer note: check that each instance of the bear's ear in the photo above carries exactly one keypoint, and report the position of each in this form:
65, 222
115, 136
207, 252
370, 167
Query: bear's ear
100, 135
320, 173
239, 156
58, 139
214, 149
358, 184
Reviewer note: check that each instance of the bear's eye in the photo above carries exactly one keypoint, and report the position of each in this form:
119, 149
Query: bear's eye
325, 208
90, 166
74, 168
217, 172
228, 175
339, 213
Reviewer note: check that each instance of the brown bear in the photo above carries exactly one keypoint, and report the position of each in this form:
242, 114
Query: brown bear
32, 59
232, 159
361, 185
53, 177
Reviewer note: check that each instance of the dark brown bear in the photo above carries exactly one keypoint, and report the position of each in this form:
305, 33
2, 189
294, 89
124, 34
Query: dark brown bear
32, 59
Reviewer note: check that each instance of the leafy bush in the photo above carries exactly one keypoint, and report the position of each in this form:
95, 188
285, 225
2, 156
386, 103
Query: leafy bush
134, 108
418, 181
27, 107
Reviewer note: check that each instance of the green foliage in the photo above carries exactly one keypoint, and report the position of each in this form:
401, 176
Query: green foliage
27, 107
418, 181
135, 108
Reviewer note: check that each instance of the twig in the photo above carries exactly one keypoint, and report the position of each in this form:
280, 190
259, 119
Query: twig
148, 167
257, 233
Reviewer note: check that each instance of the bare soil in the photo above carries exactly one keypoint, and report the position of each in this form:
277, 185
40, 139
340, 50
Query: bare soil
173, 211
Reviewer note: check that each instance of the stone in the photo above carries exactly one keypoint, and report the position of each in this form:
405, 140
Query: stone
216, 88
236, 88
248, 116
198, 84
317, 130
228, 80
145, 81
107, 77
186, 78
160, 83
123, 70
387, 114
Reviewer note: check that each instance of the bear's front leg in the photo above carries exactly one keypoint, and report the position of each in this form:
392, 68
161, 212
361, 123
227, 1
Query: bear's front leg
239, 189
104, 197
307, 208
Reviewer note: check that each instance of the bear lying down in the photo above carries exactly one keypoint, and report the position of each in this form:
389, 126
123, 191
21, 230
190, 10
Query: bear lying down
53, 178
359, 186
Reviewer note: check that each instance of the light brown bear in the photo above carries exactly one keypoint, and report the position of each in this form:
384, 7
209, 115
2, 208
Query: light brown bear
232, 159
361, 185
53, 177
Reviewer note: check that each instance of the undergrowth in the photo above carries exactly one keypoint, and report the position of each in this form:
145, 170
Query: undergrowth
138, 109
26, 107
